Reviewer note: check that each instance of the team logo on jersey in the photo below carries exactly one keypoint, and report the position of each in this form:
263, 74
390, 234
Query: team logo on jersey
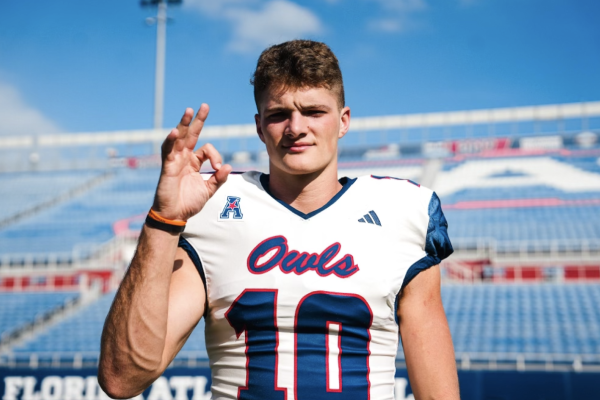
277, 253
232, 209
370, 218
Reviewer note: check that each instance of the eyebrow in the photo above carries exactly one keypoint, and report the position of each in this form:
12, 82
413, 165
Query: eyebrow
302, 108
316, 107
275, 109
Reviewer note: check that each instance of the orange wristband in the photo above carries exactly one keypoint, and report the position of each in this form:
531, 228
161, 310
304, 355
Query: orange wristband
168, 225
154, 215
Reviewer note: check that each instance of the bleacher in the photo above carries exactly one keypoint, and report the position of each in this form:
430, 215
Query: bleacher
536, 322
529, 209
508, 204
25, 190
19, 309
541, 200
531, 319
79, 333
75, 227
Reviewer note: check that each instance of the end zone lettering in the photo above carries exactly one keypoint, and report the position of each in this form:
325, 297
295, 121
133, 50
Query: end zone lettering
87, 388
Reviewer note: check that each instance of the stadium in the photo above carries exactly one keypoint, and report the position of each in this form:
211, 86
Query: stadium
493, 105
520, 188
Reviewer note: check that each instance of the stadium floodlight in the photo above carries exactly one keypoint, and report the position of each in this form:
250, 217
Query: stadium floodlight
161, 43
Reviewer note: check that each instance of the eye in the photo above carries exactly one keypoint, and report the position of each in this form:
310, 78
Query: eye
315, 113
276, 116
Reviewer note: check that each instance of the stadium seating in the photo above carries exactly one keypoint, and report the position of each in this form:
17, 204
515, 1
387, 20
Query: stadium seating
80, 333
530, 319
563, 209
19, 309
512, 206
501, 319
74, 227
25, 190
526, 224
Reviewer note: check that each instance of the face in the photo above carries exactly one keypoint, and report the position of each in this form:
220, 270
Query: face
301, 129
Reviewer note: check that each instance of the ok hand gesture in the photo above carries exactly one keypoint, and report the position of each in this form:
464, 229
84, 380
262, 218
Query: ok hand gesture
182, 192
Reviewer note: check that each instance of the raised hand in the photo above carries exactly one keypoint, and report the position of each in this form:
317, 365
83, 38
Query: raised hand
181, 191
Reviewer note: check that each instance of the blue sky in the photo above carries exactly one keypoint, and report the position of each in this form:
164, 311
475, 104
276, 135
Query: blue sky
74, 66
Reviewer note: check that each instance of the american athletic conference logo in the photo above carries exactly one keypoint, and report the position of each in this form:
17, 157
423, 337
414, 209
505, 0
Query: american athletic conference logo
232, 209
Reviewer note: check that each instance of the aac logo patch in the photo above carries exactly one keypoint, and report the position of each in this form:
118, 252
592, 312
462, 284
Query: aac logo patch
232, 209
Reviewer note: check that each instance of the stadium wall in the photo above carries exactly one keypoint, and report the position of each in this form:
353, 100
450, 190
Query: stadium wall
194, 384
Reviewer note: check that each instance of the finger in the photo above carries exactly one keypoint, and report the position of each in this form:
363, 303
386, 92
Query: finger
167, 146
196, 126
186, 119
208, 152
182, 129
217, 179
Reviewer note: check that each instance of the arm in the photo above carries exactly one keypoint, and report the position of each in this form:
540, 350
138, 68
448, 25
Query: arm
161, 298
426, 338
154, 312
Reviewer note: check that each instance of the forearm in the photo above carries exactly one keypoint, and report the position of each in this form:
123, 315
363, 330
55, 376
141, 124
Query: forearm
133, 339
430, 360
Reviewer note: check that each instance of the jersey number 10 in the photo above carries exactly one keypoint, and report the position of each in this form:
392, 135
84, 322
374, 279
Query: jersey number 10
318, 314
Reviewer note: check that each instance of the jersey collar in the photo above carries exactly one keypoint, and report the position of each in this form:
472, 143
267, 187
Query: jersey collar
345, 182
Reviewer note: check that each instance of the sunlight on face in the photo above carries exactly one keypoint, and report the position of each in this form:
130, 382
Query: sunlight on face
301, 129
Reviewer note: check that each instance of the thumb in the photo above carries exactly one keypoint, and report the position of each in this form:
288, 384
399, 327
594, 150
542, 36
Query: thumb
218, 178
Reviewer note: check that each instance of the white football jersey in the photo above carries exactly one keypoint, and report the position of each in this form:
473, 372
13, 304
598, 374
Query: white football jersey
303, 306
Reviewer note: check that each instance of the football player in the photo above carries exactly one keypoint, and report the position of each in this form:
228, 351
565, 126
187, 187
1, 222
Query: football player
304, 279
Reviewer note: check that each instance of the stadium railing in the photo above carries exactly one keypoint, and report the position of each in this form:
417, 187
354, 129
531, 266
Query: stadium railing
538, 250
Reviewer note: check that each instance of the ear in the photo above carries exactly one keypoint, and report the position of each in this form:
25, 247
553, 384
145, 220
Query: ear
344, 122
259, 128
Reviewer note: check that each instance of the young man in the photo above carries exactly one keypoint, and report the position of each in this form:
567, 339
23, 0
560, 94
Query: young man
304, 280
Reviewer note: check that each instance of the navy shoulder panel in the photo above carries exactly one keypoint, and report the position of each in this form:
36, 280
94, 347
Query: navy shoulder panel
437, 242
395, 179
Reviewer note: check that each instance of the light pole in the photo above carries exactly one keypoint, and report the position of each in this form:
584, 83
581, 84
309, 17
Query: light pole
161, 45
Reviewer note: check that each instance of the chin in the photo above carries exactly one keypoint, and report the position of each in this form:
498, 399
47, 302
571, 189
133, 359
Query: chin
300, 171
299, 168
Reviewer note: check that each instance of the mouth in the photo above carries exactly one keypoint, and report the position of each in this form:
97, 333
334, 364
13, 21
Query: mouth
297, 147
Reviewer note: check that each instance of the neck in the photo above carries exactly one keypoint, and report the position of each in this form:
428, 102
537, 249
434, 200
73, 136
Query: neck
305, 193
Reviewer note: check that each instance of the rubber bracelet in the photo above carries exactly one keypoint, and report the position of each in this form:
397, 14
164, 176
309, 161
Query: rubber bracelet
154, 220
155, 216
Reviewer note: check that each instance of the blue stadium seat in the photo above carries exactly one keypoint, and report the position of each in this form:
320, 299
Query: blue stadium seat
530, 319
28, 189
19, 309
84, 220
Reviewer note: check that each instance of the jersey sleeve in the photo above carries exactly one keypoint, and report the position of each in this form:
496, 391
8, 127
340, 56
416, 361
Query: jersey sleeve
437, 242
191, 252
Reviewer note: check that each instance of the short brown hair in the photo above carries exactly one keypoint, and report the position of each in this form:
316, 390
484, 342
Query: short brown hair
298, 64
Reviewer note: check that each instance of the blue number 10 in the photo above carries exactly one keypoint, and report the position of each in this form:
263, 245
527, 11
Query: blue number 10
316, 376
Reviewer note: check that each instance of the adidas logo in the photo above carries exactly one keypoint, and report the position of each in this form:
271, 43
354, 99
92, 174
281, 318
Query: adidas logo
370, 218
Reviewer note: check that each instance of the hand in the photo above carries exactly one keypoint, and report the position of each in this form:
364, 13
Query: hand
181, 191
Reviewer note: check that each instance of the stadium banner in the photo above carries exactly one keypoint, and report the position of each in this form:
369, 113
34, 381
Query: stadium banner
554, 142
466, 146
183, 383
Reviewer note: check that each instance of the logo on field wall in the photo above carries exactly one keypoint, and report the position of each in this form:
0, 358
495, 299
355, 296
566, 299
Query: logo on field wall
87, 388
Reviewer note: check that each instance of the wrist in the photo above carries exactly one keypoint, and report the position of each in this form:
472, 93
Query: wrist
156, 221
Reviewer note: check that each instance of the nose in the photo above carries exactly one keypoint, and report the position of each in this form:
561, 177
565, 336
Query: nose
298, 125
